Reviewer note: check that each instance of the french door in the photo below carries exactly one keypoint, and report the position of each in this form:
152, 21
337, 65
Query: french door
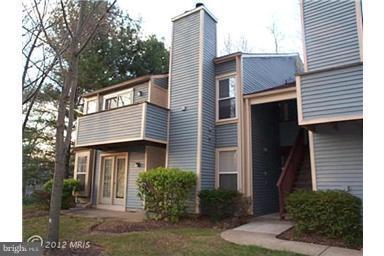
113, 179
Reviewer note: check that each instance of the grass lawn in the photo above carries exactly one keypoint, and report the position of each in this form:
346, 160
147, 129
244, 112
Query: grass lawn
172, 241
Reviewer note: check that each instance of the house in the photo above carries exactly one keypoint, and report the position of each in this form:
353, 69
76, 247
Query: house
264, 124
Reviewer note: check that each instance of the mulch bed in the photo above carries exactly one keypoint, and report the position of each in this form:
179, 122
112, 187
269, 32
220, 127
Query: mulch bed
313, 238
121, 226
29, 213
93, 250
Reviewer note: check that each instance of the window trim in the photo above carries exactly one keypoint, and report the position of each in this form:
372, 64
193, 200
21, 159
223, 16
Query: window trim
87, 172
86, 100
218, 79
217, 166
116, 94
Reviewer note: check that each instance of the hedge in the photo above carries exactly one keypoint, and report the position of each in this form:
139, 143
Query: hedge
165, 192
69, 186
334, 214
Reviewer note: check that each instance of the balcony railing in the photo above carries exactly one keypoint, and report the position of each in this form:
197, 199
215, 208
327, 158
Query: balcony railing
144, 121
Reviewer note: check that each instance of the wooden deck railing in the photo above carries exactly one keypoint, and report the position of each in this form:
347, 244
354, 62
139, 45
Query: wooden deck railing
289, 171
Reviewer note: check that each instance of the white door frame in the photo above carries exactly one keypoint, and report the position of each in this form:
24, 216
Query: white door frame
112, 203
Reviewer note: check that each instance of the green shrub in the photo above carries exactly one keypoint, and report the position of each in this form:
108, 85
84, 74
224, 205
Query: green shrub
334, 214
221, 203
165, 192
69, 186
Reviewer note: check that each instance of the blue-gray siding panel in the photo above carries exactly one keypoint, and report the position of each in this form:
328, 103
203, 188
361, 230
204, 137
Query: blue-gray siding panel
265, 158
330, 32
144, 96
225, 67
339, 157
162, 82
333, 93
226, 135
113, 125
133, 201
184, 92
156, 124
260, 73
208, 111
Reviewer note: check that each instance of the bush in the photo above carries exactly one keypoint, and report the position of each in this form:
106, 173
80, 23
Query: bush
165, 192
69, 186
334, 214
221, 203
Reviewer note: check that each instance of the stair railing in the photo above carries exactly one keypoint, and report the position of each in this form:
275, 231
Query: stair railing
290, 170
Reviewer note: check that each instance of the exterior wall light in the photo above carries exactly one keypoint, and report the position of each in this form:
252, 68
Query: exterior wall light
139, 93
183, 108
137, 164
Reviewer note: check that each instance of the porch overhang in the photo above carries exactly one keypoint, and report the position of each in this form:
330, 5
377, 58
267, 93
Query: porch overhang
280, 93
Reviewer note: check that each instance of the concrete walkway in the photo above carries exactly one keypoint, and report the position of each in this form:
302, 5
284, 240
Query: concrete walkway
262, 231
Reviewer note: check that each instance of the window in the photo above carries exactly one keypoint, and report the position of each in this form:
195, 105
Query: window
81, 171
227, 98
91, 106
118, 99
228, 174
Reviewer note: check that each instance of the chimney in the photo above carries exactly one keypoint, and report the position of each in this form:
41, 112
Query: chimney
192, 96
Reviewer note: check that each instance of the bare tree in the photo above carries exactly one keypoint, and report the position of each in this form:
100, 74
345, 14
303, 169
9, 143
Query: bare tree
277, 36
228, 45
243, 45
70, 34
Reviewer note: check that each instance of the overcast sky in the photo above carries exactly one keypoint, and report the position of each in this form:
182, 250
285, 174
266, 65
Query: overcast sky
247, 19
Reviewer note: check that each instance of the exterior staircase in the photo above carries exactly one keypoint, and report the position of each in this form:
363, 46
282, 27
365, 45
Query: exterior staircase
296, 173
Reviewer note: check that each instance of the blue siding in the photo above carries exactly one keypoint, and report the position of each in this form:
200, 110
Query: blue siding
208, 118
226, 135
225, 67
330, 32
260, 73
339, 157
133, 201
184, 92
156, 124
332, 93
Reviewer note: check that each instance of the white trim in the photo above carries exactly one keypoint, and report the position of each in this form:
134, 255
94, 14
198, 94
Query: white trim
321, 120
312, 159
217, 166
225, 75
109, 142
86, 100
84, 153
116, 94
199, 112
143, 119
239, 113
217, 80
273, 96
303, 36
268, 55
193, 11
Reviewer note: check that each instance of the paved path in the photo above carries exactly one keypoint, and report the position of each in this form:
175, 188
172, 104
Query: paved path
262, 232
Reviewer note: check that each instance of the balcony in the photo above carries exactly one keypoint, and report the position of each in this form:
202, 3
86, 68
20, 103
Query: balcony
137, 122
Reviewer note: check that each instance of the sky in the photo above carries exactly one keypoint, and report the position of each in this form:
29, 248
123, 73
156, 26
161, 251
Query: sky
239, 19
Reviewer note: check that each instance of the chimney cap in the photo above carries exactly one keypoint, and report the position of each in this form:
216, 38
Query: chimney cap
199, 4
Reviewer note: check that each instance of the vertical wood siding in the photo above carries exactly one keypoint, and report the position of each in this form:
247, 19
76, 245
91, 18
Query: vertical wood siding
265, 158
208, 111
225, 67
226, 135
330, 32
156, 124
333, 93
184, 92
133, 201
162, 82
339, 157
260, 73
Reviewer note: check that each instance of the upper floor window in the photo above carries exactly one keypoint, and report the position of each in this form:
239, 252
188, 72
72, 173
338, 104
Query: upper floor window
226, 98
90, 106
118, 99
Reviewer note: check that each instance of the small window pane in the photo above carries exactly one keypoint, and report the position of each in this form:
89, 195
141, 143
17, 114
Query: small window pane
227, 161
111, 103
125, 99
120, 178
82, 164
227, 88
81, 179
91, 106
227, 108
228, 181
